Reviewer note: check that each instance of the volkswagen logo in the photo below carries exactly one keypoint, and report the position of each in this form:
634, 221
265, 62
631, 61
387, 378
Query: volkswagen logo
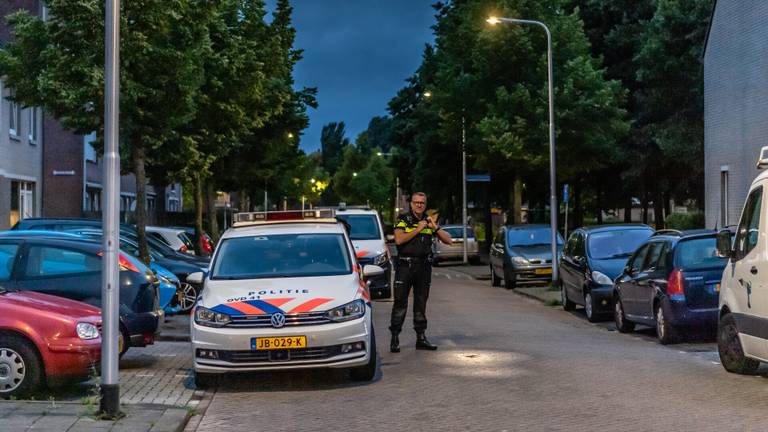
277, 320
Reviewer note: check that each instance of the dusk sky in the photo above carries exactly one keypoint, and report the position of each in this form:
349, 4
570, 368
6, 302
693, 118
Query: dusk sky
357, 53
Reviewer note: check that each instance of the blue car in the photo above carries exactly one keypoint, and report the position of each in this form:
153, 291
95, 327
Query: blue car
672, 282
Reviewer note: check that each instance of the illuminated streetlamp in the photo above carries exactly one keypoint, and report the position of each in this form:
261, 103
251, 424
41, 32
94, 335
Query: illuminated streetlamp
552, 172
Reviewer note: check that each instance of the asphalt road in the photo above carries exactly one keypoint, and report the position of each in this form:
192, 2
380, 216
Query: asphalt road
505, 363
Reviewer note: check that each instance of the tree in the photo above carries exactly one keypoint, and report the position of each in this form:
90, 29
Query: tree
364, 178
332, 144
59, 65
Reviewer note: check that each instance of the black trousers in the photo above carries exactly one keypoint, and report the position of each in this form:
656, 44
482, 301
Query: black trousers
416, 273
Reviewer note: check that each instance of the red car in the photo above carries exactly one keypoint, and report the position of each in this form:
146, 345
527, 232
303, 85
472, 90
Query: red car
45, 340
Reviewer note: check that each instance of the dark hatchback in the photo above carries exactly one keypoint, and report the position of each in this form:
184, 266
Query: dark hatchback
522, 253
672, 282
71, 268
592, 258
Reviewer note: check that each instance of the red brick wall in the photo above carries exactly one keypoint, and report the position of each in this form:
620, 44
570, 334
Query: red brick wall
62, 151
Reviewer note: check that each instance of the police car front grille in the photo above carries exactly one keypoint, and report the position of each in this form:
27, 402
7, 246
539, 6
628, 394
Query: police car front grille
291, 320
318, 353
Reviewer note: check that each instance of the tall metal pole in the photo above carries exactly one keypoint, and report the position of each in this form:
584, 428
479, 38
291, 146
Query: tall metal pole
397, 198
464, 185
552, 165
265, 195
110, 288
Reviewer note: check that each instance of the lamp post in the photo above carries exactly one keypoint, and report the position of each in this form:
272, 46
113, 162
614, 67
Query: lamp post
552, 168
109, 405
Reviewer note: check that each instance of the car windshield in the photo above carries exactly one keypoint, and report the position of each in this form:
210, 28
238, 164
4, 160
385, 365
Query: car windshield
283, 255
531, 237
616, 244
458, 232
698, 253
362, 227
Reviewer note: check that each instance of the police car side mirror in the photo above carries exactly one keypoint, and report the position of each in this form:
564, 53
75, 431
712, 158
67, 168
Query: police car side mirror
372, 270
724, 245
195, 278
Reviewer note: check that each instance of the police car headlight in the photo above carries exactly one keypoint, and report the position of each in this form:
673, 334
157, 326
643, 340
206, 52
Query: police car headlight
380, 260
207, 317
352, 310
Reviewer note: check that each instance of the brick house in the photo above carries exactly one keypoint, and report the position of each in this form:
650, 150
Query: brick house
735, 105
51, 172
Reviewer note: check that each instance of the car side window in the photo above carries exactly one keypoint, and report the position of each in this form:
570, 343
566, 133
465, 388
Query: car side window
7, 258
46, 261
570, 245
652, 256
749, 226
579, 248
636, 263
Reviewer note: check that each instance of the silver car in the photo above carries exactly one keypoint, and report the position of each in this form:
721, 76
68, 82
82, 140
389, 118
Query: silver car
443, 252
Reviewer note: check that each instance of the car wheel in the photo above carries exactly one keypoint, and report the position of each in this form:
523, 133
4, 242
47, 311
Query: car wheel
664, 330
495, 280
622, 324
568, 305
435, 262
474, 260
206, 380
729, 347
367, 372
123, 342
589, 308
510, 280
188, 297
21, 370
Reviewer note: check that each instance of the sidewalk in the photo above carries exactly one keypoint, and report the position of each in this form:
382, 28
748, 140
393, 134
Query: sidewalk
73, 416
542, 293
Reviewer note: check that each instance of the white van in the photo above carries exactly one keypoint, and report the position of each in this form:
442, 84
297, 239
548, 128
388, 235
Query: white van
742, 335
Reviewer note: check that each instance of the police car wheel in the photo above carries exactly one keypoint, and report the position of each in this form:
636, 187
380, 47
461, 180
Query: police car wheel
367, 372
205, 380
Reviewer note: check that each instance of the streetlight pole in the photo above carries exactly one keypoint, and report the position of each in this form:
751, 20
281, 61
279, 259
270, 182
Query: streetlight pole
109, 405
464, 185
552, 165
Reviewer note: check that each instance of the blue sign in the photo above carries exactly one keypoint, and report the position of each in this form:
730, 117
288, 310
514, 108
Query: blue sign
565, 194
478, 178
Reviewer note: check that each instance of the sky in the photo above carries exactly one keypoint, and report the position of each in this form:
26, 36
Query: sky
358, 53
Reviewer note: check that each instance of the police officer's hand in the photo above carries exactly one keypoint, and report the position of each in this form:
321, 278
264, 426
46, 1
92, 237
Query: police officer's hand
432, 223
422, 224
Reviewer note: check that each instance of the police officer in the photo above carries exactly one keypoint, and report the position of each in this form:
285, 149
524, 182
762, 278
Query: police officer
413, 236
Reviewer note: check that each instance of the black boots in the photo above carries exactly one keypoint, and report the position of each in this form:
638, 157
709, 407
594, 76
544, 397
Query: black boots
394, 344
423, 344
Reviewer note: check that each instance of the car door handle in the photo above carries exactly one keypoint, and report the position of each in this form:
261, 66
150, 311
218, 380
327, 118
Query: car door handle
753, 270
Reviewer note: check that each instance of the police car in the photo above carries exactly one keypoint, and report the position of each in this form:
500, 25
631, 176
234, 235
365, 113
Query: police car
367, 237
284, 291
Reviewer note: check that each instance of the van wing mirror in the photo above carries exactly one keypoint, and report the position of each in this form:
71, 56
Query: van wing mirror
724, 245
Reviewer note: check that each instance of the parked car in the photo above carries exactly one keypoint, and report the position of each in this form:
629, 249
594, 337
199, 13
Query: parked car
742, 341
175, 238
44, 340
522, 253
592, 258
443, 252
207, 241
367, 235
672, 282
71, 268
61, 224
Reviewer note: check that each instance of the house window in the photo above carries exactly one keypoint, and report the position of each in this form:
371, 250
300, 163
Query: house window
22, 201
93, 199
14, 123
90, 151
724, 197
150, 203
33, 124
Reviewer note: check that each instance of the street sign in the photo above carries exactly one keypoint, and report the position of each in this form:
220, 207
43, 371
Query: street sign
478, 178
565, 193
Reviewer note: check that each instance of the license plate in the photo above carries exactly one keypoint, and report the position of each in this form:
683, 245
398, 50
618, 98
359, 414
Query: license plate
275, 343
543, 271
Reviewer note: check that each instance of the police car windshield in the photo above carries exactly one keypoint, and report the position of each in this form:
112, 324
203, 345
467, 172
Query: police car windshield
362, 227
283, 255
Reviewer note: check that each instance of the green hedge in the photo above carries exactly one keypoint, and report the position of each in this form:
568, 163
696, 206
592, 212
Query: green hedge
685, 221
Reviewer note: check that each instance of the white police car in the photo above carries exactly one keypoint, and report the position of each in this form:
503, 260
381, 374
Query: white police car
367, 237
284, 291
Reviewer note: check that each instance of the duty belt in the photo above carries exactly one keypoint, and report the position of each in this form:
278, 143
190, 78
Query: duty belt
412, 259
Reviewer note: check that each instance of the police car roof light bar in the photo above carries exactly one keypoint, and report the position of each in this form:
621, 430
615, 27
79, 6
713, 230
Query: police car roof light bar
247, 218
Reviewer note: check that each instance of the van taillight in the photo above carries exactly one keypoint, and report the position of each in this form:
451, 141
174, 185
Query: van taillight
675, 283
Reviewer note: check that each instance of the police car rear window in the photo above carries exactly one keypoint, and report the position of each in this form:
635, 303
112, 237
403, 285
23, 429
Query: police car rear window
283, 255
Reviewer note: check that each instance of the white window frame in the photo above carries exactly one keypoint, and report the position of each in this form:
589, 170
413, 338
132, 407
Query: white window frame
14, 119
33, 125
724, 185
